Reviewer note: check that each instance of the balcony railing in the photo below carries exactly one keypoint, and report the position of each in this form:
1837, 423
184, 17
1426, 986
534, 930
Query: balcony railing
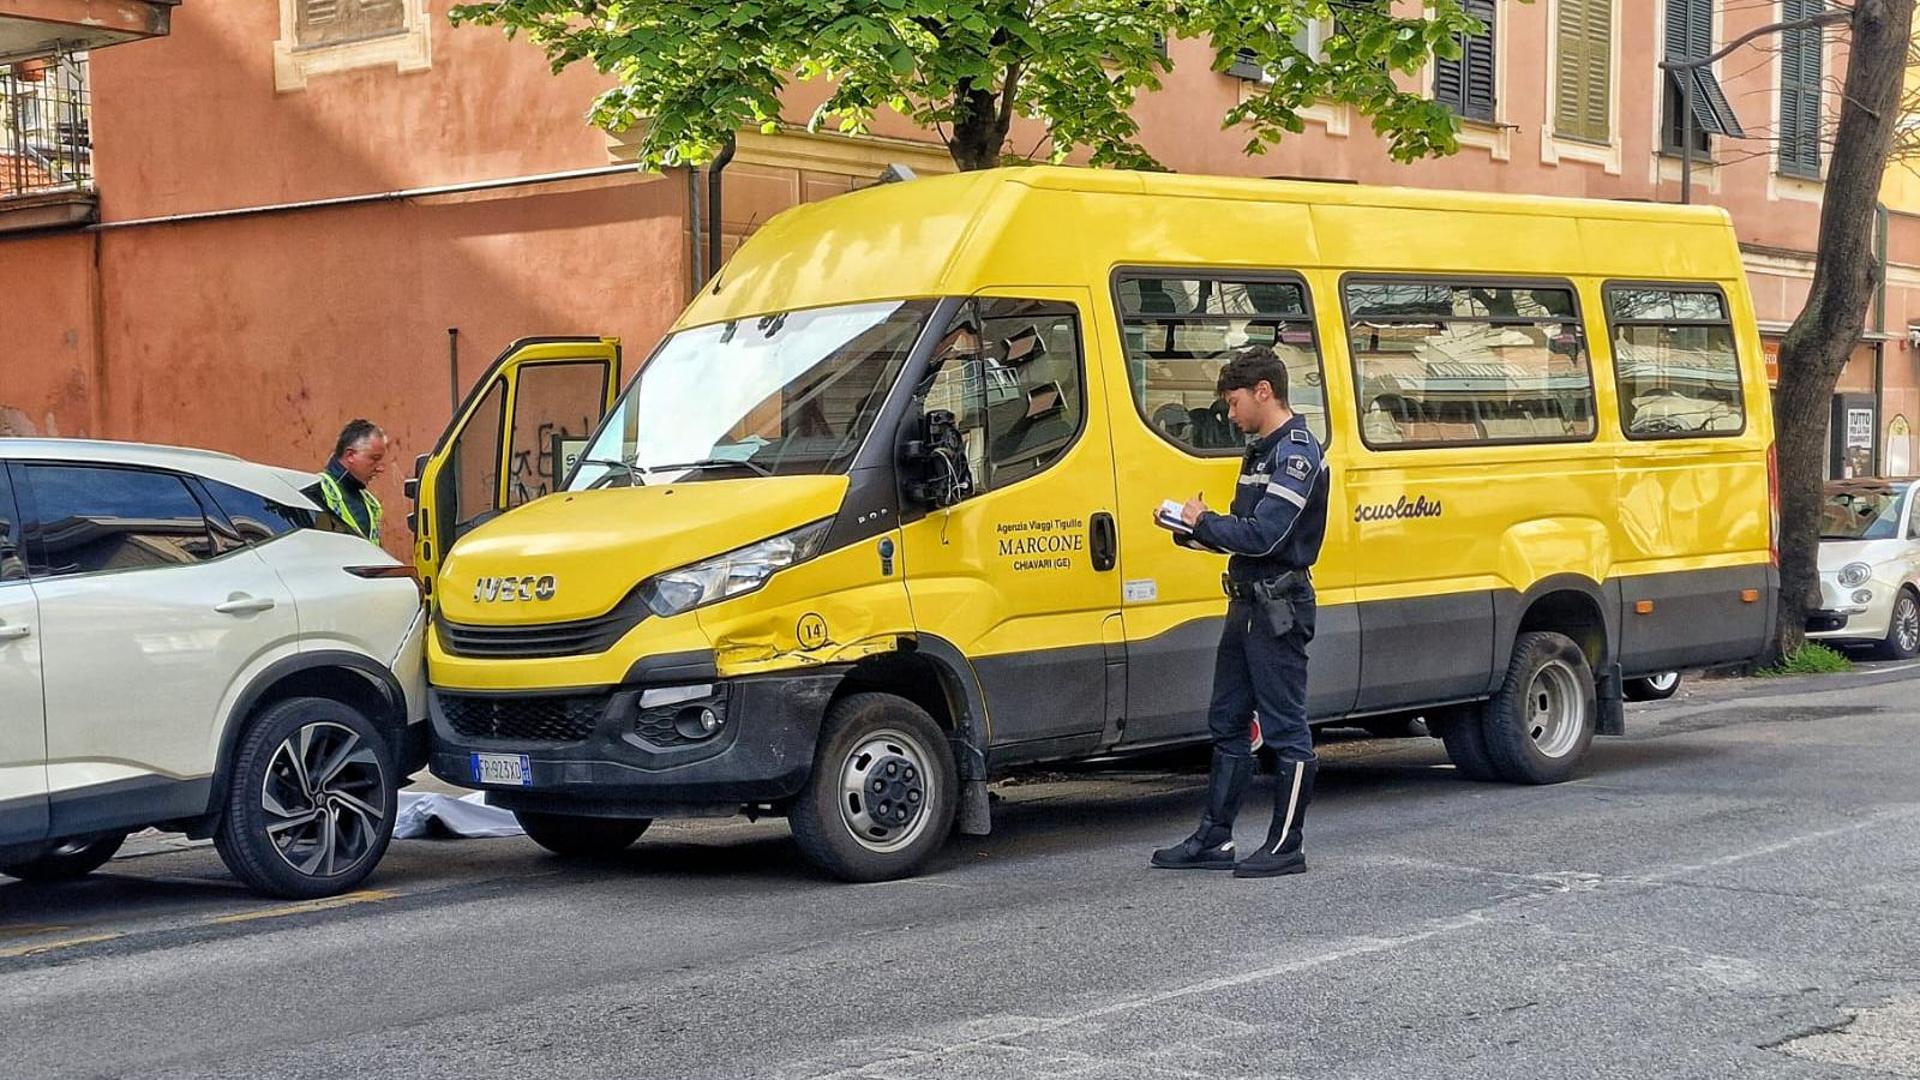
46, 136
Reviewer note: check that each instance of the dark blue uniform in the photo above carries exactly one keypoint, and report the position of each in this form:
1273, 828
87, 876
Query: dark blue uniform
1277, 523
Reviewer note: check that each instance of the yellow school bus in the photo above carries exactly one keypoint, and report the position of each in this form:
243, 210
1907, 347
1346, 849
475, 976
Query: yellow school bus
874, 522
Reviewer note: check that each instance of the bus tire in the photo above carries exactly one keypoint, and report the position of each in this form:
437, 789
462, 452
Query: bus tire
883, 792
1538, 726
1459, 729
573, 836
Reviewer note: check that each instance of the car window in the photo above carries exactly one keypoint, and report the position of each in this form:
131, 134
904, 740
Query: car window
256, 518
13, 566
89, 518
1861, 512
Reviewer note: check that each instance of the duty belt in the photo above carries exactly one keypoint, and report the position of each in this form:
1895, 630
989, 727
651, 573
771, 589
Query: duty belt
1266, 589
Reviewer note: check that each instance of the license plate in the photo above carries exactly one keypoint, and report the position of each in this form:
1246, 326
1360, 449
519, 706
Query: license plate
502, 769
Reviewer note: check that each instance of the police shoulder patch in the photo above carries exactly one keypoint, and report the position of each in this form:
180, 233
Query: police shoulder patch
1298, 467
1300, 435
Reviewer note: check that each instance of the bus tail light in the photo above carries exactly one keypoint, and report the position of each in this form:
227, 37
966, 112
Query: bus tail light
1773, 503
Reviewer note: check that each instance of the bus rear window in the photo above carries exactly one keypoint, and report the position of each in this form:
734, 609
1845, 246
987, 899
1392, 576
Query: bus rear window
1674, 358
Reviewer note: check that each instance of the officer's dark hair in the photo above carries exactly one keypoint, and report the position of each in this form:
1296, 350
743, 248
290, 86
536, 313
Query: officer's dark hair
353, 434
1252, 366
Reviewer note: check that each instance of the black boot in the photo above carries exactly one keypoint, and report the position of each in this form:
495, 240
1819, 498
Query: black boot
1211, 845
1285, 849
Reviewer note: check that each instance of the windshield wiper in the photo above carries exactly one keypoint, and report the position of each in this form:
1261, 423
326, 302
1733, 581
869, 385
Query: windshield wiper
714, 463
635, 474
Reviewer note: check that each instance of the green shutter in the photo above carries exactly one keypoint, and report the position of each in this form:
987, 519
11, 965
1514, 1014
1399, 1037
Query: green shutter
1597, 117
1583, 70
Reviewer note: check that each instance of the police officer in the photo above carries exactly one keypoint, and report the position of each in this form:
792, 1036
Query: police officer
1273, 535
359, 455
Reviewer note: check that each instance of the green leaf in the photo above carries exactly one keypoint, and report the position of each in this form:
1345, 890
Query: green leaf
699, 70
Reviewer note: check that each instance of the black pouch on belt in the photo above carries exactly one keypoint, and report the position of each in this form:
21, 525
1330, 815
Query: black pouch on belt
1276, 603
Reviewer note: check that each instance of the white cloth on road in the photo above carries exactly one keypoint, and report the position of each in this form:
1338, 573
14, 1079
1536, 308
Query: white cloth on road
430, 815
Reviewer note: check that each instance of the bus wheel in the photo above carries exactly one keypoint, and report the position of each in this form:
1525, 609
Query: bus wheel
883, 791
1459, 728
1538, 727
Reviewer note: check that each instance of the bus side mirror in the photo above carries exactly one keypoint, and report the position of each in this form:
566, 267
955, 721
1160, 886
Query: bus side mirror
936, 468
411, 485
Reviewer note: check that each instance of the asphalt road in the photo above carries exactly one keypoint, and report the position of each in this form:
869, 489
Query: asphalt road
1731, 891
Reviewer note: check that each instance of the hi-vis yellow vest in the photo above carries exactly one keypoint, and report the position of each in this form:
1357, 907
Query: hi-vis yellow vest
337, 503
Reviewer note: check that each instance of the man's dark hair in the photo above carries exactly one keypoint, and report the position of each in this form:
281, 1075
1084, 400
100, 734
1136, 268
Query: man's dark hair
358, 430
1252, 366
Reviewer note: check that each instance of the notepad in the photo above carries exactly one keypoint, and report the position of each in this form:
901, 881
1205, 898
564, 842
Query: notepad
1169, 517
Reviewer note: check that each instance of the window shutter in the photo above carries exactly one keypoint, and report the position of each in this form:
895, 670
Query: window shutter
1570, 70
1801, 64
1478, 60
1466, 85
1447, 81
1699, 28
318, 12
1676, 45
1597, 115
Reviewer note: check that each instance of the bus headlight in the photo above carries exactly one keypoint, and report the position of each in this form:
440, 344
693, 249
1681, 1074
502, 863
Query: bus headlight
734, 574
1855, 573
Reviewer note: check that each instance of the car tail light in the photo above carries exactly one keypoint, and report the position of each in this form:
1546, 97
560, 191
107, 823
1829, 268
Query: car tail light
1773, 502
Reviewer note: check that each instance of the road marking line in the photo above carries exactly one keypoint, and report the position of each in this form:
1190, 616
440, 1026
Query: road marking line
49, 946
368, 896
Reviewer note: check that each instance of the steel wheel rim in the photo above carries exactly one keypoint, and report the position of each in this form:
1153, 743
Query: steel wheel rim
1553, 709
1906, 624
325, 799
1665, 682
865, 765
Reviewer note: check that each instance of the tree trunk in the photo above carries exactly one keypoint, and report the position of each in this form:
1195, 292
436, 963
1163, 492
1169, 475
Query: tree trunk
1845, 274
979, 127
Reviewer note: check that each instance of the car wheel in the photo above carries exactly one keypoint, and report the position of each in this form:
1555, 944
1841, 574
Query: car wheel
69, 859
1652, 687
310, 801
578, 837
1538, 727
1903, 630
883, 791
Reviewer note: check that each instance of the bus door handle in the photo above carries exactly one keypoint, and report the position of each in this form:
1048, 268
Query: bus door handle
1105, 541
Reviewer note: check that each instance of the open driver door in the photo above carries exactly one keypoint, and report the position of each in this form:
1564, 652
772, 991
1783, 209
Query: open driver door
512, 440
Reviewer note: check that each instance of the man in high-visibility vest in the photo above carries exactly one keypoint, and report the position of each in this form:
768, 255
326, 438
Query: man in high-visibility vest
358, 457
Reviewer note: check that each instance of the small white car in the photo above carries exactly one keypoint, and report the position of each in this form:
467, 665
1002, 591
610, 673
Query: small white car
1870, 567
184, 645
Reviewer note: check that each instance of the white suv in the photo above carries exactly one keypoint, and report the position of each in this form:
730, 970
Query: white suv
183, 644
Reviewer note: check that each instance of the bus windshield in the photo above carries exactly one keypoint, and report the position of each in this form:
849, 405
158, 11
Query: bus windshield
789, 393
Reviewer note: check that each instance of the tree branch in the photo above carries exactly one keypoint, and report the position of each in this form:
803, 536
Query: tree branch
1825, 18
1008, 91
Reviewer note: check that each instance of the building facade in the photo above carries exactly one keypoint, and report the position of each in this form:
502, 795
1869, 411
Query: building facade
296, 212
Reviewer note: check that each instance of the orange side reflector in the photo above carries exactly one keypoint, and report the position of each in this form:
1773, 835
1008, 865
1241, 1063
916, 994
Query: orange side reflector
1643, 607
1749, 596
